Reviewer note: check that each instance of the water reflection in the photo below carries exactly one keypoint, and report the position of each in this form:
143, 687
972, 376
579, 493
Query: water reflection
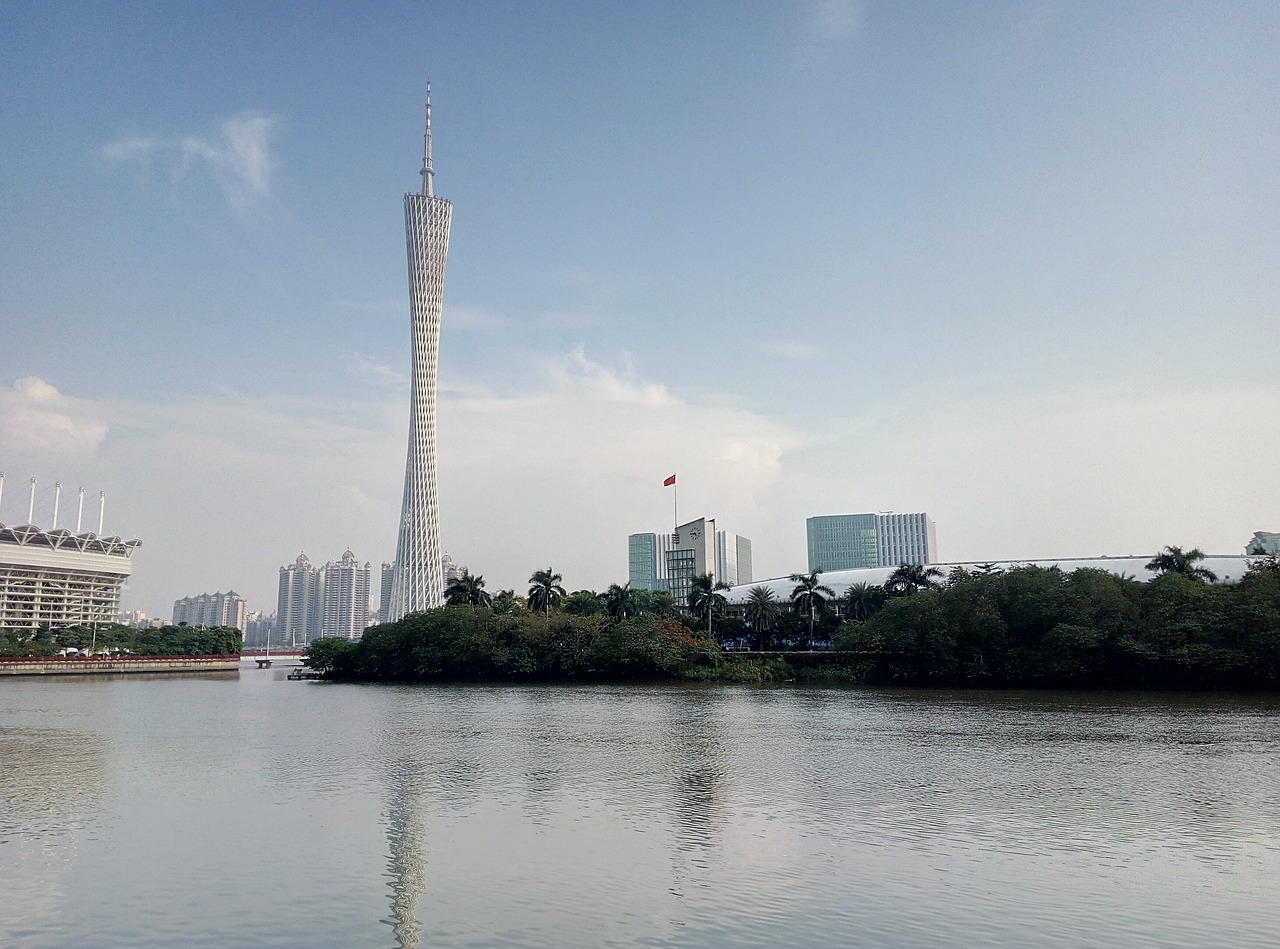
406, 818
53, 787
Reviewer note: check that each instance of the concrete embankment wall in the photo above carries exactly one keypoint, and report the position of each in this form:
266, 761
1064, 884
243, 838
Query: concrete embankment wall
50, 665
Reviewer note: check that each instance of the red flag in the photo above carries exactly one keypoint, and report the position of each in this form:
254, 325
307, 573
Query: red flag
669, 482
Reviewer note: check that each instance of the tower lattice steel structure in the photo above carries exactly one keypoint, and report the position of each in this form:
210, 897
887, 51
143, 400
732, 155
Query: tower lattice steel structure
418, 579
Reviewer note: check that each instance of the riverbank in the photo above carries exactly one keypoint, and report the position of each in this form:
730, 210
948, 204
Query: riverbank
115, 665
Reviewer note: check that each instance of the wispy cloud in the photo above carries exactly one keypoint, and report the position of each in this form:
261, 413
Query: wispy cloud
130, 148
238, 157
825, 25
378, 373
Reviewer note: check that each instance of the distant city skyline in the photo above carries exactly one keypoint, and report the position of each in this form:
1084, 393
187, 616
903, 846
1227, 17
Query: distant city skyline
1014, 265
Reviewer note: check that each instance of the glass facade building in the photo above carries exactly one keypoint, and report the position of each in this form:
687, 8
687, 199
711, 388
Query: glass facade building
861, 541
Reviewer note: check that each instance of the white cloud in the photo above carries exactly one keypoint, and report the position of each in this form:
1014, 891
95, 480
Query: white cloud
36, 418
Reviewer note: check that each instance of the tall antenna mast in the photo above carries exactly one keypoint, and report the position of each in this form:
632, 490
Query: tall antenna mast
102, 510
428, 173
31, 507
57, 496
80, 510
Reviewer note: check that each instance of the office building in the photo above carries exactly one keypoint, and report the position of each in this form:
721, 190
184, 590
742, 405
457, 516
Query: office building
1264, 542
211, 609
863, 541
733, 558
905, 538
692, 553
418, 579
647, 561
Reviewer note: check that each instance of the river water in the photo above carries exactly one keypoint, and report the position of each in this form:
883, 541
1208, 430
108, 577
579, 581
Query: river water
246, 810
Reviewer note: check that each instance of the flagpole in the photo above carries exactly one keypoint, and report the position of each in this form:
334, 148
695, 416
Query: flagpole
675, 509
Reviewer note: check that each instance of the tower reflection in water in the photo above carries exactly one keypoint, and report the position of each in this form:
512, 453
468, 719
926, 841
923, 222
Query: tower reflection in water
407, 844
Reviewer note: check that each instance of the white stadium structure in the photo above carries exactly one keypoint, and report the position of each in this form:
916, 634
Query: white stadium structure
52, 579
1228, 569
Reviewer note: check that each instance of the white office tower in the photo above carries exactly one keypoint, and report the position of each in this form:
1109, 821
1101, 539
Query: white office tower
418, 580
692, 553
733, 558
906, 538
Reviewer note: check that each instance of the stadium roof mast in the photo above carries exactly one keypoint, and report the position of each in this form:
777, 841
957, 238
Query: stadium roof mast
428, 173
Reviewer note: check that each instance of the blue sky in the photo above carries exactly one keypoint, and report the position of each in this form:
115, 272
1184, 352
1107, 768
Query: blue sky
1014, 264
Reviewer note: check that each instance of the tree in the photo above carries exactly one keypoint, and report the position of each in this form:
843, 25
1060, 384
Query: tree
705, 598
810, 596
619, 602
762, 610
467, 590
656, 602
505, 602
1182, 562
583, 603
862, 600
910, 578
545, 590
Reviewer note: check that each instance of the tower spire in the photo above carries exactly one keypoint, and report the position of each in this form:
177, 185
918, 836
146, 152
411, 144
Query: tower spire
428, 173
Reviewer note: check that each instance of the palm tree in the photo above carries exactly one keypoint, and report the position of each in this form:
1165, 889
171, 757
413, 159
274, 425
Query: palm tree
705, 598
862, 600
504, 602
910, 578
810, 595
619, 601
1183, 562
545, 590
762, 609
466, 590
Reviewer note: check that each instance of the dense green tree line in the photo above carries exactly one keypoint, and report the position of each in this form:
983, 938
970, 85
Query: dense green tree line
1026, 626
1034, 626
124, 640
475, 643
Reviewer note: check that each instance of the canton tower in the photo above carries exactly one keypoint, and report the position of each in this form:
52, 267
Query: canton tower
417, 582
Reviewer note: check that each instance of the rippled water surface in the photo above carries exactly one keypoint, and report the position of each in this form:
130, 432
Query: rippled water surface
248, 810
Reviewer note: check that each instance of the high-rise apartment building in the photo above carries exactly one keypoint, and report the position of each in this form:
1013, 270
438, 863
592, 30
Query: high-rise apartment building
418, 579
856, 541
344, 587
299, 609
384, 591
211, 609
260, 629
